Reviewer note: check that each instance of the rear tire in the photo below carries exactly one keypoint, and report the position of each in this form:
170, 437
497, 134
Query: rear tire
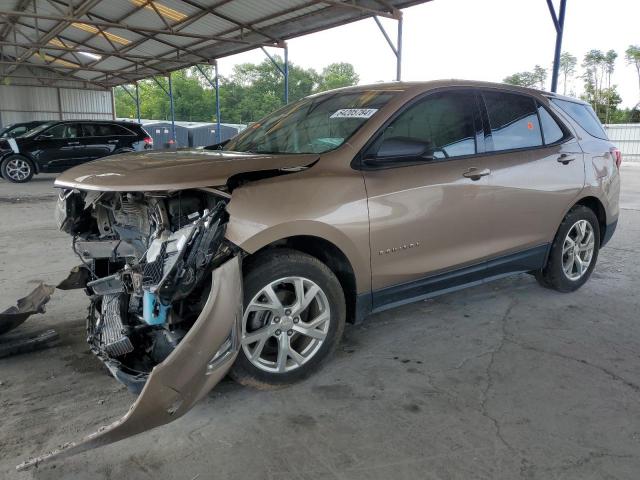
17, 169
573, 253
282, 341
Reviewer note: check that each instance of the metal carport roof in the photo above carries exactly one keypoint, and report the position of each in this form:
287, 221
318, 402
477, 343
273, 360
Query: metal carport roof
115, 42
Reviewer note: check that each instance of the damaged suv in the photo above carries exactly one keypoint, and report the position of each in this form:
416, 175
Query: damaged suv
250, 258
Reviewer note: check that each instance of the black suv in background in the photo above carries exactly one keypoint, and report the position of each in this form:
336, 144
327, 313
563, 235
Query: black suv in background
56, 146
18, 129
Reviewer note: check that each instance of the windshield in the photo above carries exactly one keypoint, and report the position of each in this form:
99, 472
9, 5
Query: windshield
311, 125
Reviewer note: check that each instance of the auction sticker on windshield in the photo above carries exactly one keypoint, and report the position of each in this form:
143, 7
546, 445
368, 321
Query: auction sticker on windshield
354, 113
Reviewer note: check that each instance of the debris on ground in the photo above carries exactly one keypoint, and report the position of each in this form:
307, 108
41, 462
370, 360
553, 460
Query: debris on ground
18, 342
26, 306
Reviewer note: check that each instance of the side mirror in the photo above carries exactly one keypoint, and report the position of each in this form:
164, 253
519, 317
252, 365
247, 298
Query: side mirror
44, 136
400, 149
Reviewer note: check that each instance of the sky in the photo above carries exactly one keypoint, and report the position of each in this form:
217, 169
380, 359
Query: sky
475, 40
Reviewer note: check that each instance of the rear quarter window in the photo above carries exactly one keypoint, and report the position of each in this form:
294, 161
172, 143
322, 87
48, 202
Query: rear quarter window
551, 131
584, 116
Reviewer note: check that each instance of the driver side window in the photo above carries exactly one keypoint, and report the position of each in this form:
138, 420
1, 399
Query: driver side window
443, 122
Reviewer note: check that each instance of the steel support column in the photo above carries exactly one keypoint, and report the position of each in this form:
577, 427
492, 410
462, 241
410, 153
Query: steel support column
286, 73
138, 102
216, 86
397, 48
284, 69
399, 52
173, 116
169, 93
558, 23
135, 98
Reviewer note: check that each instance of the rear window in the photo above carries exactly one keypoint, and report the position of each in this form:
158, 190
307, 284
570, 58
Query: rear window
584, 116
513, 119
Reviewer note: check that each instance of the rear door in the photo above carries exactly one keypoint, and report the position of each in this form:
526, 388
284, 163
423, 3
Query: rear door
536, 169
98, 140
429, 217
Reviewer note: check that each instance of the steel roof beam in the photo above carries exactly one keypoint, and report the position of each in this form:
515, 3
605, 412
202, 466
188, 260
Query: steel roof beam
353, 6
10, 25
61, 25
75, 49
121, 26
48, 66
212, 11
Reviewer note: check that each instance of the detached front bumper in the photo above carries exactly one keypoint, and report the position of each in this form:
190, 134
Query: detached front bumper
198, 363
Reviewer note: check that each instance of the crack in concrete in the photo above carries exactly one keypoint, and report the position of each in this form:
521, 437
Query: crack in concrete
614, 376
591, 456
490, 381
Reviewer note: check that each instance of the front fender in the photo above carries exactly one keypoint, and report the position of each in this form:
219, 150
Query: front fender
198, 363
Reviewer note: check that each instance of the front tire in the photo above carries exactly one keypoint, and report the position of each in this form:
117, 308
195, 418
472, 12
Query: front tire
574, 251
17, 169
294, 317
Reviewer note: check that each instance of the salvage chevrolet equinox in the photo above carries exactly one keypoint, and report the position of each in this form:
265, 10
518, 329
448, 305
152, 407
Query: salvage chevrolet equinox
249, 259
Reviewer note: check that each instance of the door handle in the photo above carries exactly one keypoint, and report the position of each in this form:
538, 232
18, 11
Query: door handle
565, 159
73, 143
112, 141
474, 174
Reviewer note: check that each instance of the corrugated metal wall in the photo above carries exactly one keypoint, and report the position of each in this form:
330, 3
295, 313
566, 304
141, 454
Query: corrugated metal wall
20, 103
625, 136
86, 104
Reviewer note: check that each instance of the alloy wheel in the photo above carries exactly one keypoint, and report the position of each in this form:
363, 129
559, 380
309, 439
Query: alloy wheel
577, 250
17, 169
285, 324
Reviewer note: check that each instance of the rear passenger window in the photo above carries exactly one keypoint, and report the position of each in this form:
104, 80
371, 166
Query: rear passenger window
104, 130
584, 115
513, 120
89, 130
551, 131
444, 122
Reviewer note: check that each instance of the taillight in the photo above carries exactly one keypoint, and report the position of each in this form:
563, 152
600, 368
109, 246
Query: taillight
148, 140
617, 155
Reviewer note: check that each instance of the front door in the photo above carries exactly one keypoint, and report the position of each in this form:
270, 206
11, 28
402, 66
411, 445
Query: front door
428, 217
59, 147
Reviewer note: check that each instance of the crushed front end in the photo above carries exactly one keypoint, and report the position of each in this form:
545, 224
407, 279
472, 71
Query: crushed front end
165, 291
147, 259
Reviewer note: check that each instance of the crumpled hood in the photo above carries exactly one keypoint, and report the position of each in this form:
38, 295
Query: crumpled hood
173, 170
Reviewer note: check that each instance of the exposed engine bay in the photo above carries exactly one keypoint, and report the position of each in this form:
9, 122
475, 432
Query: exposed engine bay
147, 259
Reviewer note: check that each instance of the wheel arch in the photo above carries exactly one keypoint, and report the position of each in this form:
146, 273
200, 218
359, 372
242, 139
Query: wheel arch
34, 164
329, 254
597, 207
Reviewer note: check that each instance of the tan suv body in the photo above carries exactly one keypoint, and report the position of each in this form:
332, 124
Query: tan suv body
252, 255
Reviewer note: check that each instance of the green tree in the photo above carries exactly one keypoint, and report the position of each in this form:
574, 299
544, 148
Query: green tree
594, 70
248, 94
522, 79
533, 79
568, 68
337, 75
632, 55
604, 103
